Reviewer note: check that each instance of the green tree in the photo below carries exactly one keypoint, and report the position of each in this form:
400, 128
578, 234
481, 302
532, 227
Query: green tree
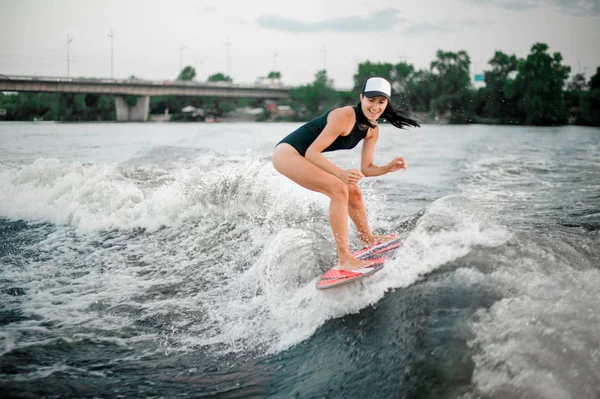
219, 77
576, 87
498, 82
452, 71
452, 84
99, 107
595, 80
368, 69
58, 106
345, 97
589, 113
401, 74
589, 106
28, 106
187, 74
420, 88
540, 84
216, 106
72, 107
309, 101
577, 83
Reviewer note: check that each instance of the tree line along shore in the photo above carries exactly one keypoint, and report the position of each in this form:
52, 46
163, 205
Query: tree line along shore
536, 90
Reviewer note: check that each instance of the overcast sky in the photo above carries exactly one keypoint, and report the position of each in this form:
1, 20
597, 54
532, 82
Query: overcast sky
247, 39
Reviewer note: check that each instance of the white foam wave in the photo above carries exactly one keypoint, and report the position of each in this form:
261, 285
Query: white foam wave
204, 230
277, 304
111, 196
541, 339
89, 197
235, 266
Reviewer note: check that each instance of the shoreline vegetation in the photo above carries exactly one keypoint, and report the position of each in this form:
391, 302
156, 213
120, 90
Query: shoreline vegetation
537, 90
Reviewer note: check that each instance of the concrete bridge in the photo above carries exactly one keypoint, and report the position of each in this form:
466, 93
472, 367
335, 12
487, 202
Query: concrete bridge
143, 89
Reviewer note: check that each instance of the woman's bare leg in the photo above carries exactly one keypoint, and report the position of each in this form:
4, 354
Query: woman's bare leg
358, 214
291, 164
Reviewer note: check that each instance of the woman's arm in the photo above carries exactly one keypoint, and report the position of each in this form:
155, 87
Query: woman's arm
367, 167
339, 122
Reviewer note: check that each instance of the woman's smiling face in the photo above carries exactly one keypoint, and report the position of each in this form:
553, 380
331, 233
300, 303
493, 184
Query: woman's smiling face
373, 107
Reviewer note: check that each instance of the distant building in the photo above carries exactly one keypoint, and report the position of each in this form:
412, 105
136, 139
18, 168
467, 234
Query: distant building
192, 111
278, 111
271, 106
250, 111
285, 111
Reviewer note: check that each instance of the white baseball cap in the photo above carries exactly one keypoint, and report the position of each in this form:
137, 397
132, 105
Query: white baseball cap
377, 87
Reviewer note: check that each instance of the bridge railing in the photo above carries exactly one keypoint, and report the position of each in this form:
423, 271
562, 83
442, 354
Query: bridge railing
140, 82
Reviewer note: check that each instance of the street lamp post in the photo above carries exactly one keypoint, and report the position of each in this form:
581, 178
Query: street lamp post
181, 57
275, 54
111, 35
69, 40
228, 56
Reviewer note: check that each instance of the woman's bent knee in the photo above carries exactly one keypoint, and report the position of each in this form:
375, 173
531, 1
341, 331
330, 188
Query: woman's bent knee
338, 191
354, 194
354, 190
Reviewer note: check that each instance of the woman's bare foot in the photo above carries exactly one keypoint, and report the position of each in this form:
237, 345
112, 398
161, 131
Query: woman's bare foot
353, 263
374, 239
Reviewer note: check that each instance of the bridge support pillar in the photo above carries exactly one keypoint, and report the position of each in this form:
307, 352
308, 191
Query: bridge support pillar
132, 113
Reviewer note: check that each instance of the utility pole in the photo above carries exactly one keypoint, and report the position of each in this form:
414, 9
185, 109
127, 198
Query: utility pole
197, 65
275, 54
69, 40
228, 53
324, 51
111, 35
181, 58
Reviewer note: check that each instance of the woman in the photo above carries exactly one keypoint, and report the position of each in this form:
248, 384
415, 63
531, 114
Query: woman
299, 157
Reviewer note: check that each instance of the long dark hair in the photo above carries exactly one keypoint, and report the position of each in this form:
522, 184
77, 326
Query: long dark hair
398, 118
